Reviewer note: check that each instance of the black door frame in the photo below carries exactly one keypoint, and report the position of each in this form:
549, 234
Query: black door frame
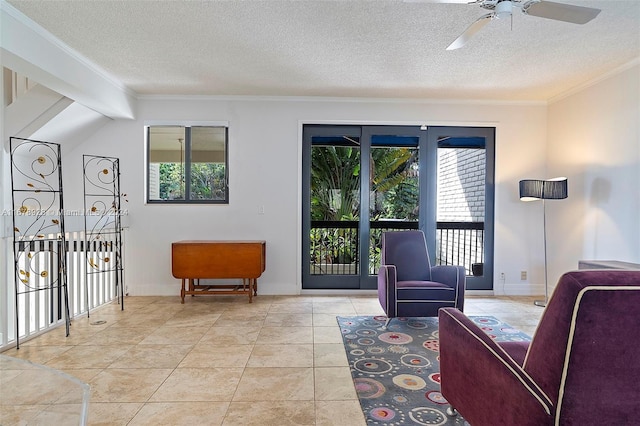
428, 156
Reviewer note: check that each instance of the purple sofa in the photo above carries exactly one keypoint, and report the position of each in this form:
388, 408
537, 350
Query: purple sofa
580, 368
408, 286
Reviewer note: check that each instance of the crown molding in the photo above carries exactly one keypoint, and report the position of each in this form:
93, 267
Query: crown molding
594, 81
329, 99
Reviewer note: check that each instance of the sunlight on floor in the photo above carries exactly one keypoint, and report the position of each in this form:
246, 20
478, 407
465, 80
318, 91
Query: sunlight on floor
222, 361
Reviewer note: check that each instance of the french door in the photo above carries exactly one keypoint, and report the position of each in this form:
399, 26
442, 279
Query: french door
359, 181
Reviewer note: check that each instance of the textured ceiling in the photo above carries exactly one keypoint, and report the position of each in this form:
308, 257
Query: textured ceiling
376, 48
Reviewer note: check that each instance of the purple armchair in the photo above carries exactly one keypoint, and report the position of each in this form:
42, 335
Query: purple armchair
408, 286
581, 367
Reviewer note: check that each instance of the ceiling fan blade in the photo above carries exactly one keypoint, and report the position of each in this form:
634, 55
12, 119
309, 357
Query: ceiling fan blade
560, 11
471, 31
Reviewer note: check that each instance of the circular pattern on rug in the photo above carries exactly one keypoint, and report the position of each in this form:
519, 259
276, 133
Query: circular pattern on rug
400, 399
372, 366
368, 388
365, 341
432, 345
435, 377
393, 379
397, 349
413, 360
373, 323
436, 397
383, 414
395, 338
485, 321
416, 324
409, 381
376, 350
428, 416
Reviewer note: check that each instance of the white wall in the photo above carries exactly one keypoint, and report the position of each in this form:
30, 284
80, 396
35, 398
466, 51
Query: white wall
592, 137
594, 140
265, 164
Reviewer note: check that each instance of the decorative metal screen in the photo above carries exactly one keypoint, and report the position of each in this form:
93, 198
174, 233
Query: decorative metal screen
39, 245
103, 228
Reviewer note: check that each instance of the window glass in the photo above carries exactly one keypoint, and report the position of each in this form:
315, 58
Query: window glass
208, 163
187, 164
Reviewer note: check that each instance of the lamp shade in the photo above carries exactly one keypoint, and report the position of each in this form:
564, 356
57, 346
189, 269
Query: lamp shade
530, 189
551, 189
555, 189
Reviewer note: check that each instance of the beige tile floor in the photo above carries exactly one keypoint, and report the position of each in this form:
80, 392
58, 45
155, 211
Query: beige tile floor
218, 360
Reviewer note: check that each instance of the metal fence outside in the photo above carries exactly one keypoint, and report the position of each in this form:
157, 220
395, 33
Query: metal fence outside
335, 245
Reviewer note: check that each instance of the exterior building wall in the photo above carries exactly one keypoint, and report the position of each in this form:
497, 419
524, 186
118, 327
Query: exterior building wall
461, 177
461, 198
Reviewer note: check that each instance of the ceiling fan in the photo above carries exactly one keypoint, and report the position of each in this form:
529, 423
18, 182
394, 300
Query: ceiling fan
503, 9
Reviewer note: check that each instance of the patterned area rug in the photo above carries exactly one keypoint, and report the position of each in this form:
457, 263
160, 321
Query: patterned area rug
396, 371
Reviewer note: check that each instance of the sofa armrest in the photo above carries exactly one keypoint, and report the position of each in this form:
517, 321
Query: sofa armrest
454, 277
387, 279
482, 381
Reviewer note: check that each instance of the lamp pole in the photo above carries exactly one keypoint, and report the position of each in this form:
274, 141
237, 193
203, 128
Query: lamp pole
550, 189
543, 303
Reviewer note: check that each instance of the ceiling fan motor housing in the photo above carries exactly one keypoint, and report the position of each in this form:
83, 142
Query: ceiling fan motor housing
503, 9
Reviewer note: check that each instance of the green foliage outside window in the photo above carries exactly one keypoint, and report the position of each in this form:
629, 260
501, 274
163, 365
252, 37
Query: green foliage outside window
207, 181
335, 183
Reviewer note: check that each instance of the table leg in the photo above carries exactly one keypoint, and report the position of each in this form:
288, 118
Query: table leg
255, 286
182, 292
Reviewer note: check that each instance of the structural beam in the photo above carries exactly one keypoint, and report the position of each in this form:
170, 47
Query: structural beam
31, 51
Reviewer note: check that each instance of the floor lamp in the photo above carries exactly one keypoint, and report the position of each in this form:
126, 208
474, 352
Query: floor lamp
551, 189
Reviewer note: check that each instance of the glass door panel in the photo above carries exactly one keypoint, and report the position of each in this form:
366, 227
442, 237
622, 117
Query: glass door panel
394, 191
464, 213
332, 198
335, 206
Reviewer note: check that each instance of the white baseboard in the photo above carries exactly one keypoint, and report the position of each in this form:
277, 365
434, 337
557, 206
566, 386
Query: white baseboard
174, 290
155, 290
338, 292
522, 290
479, 293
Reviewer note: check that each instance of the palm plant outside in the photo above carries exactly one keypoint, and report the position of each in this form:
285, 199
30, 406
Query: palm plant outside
335, 196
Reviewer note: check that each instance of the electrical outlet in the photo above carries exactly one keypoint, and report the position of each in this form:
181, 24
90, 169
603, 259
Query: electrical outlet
523, 275
502, 277
261, 209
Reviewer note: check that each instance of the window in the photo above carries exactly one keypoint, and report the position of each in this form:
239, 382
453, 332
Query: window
187, 164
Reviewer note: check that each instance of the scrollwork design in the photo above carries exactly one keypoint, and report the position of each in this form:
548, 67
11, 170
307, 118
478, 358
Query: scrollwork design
36, 216
101, 174
34, 264
103, 220
102, 212
36, 163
